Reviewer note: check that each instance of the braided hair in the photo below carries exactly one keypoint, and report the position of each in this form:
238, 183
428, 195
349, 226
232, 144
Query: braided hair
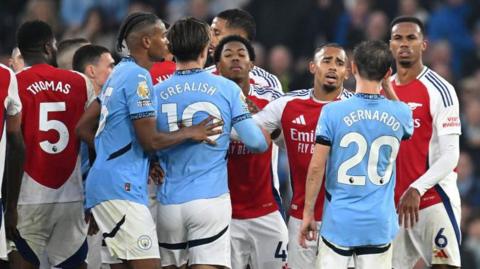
132, 23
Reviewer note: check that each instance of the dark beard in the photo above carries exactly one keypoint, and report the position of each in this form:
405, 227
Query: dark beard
329, 88
405, 64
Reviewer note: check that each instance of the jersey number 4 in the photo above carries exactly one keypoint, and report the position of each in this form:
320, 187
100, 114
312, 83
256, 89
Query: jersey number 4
187, 114
46, 125
373, 159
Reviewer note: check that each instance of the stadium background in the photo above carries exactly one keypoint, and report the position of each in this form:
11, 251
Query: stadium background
288, 32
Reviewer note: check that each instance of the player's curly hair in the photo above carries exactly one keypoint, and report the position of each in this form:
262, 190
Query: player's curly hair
233, 38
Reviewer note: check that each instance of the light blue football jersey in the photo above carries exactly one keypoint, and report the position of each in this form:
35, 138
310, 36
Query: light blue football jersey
120, 170
198, 170
364, 133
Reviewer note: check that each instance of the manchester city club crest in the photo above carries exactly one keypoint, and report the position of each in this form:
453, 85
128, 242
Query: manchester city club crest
144, 242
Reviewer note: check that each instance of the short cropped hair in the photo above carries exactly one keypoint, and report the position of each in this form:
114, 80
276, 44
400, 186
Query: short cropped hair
33, 35
373, 59
233, 38
327, 45
88, 54
187, 38
66, 49
240, 19
410, 19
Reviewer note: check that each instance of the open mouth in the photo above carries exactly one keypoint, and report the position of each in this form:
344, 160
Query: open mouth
331, 78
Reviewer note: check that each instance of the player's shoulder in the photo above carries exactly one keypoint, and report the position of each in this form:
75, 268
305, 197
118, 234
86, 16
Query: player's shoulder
6, 73
258, 71
265, 92
300, 93
5, 70
438, 87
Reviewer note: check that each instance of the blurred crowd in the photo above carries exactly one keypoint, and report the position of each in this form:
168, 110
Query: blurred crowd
287, 34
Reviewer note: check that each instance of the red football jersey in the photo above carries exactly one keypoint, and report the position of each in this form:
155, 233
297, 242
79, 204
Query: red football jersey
435, 109
297, 115
250, 176
53, 101
10, 106
161, 71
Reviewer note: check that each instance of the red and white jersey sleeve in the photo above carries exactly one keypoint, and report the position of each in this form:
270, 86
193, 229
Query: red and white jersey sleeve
436, 112
53, 102
11, 107
258, 76
297, 115
162, 71
251, 176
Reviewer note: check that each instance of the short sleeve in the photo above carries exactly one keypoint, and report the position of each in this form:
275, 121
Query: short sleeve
140, 96
13, 104
238, 106
324, 131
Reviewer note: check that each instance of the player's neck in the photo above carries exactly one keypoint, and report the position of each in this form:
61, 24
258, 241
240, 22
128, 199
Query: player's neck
245, 86
320, 94
367, 86
406, 74
33, 60
189, 65
142, 60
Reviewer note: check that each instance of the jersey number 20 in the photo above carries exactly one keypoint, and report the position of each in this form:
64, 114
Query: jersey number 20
373, 157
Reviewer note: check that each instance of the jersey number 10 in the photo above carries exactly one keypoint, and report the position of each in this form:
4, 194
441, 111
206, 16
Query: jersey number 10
187, 115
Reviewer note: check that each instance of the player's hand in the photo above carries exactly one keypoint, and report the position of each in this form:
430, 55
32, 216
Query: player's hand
308, 231
252, 107
156, 174
92, 224
206, 128
11, 219
408, 208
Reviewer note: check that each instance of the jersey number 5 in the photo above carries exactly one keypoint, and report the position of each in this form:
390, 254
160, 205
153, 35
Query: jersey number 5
373, 159
187, 114
46, 125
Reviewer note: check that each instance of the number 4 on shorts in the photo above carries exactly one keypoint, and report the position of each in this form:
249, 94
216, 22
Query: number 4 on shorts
283, 254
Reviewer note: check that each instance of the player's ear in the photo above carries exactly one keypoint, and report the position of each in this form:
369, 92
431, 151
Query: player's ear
146, 41
424, 44
312, 67
90, 71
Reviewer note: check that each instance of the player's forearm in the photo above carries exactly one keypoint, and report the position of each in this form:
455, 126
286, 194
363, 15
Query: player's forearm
252, 136
316, 171
14, 167
165, 140
88, 124
312, 188
449, 155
